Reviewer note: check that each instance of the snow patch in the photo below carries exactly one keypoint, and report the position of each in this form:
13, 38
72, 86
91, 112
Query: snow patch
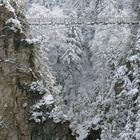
32, 41
14, 24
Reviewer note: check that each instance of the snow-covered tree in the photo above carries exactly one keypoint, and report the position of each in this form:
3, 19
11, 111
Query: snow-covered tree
96, 68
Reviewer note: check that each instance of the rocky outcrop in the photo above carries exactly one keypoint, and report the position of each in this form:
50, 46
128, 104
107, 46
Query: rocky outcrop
51, 131
16, 64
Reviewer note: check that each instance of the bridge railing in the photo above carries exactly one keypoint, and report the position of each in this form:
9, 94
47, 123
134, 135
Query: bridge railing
82, 20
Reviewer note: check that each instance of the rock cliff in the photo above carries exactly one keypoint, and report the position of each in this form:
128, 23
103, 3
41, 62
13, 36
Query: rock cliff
16, 64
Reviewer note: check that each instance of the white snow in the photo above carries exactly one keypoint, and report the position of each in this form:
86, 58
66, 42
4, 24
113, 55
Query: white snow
15, 24
37, 87
32, 41
48, 99
134, 58
35, 116
86, 72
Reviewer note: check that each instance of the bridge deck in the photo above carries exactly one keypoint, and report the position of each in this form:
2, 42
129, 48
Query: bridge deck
82, 21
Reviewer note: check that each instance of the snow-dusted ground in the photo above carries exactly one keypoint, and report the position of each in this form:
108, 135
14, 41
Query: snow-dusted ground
86, 63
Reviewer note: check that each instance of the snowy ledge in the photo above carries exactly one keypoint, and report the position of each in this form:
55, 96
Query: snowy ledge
14, 25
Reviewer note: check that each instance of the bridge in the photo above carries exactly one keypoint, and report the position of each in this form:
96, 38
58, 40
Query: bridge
82, 21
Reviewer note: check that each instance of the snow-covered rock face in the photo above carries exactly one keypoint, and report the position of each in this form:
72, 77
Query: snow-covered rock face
84, 62
15, 58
